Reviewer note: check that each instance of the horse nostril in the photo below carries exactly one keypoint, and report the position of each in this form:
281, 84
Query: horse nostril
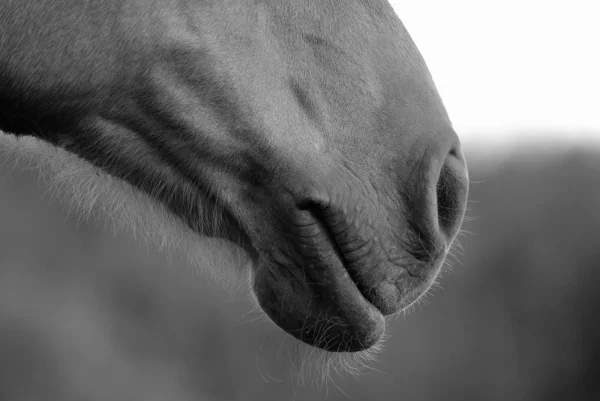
437, 196
451, 193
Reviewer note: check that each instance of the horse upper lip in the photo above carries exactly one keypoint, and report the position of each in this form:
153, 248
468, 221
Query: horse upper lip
421, 259
319, 215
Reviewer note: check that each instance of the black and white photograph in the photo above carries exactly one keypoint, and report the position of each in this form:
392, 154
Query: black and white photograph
299, 200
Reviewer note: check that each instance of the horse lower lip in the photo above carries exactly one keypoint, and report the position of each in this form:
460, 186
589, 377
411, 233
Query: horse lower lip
314, 290
319, 304
361, 317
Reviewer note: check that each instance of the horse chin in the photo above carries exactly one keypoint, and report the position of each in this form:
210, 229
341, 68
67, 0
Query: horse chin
330, 314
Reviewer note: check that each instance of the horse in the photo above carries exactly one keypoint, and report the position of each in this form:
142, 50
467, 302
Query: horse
307, 135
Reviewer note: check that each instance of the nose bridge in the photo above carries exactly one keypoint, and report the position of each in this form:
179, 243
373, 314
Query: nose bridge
437, 190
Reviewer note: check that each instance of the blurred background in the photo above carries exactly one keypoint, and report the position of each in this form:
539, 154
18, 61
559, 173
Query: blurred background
86, 314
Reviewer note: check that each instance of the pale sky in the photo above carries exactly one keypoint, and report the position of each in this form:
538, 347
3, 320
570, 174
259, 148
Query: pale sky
512, 66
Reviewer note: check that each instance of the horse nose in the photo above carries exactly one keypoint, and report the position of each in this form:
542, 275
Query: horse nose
439, 196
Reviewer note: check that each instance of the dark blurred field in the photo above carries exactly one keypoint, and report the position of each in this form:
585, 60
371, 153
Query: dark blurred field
86, 315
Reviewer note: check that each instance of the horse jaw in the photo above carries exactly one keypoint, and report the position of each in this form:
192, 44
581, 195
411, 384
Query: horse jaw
92, 194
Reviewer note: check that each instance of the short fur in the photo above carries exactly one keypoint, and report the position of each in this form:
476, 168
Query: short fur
307, 133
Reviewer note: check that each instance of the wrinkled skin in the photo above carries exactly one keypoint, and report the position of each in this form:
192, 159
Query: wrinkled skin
312, 129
